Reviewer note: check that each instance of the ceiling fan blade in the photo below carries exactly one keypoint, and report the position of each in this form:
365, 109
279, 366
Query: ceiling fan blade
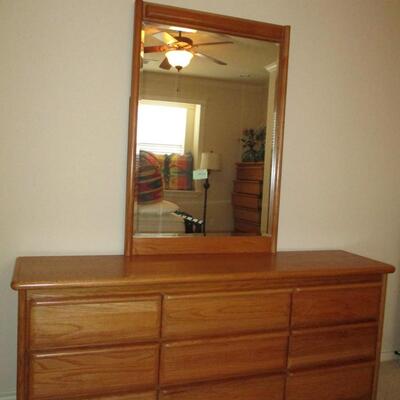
211, 58
155, 49
165, 37
151, 30
165, 64
211, 43
149, 60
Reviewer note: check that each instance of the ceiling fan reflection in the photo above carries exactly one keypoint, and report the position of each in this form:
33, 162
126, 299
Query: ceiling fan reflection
179, 50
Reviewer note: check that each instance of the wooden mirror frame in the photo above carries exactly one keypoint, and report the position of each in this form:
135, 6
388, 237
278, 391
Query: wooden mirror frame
279, 34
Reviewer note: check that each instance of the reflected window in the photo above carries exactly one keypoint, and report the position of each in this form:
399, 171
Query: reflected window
166, 127
162, 127
169, 131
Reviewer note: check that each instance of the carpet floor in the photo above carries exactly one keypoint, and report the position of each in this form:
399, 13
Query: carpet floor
389, 381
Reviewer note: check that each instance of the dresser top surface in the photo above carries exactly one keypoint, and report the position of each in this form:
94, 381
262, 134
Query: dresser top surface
91, 271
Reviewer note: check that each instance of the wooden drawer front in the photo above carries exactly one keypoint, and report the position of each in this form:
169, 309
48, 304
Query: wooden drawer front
332, 345
246, 200
247, 214
201, 360
248, 187
333, 306
210, 314
271, 388
247, 227
131, 396
75, 323
250, 172
93, 372
341, 383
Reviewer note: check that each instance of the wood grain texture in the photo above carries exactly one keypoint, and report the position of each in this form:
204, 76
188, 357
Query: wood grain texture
335, 305
248, 187
188, 316
247, 206
217, 311
246, 200
193, 287
98, 271
93, 372
130, 396
379, 337
250, 171
94, 321
342, 383
22, 370
246, 214
133, 112
277, 150
246, 227
157, 13
269, 387
333, 345
211, 359
214, 22
200, 245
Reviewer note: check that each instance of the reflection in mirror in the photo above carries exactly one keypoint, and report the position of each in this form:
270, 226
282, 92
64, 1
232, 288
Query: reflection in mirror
205, 131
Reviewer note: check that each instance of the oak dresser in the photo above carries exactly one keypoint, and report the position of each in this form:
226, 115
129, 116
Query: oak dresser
290, 325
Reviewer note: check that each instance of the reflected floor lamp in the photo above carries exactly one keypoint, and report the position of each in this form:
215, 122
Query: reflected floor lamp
211, 162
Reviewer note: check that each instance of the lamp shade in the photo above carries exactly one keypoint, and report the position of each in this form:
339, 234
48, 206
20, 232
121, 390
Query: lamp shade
210, 161
179, 58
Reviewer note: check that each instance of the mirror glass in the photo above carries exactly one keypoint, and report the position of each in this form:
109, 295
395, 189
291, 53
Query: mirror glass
205, 133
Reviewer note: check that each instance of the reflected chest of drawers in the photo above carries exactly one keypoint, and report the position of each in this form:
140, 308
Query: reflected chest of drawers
251, 327
247, 197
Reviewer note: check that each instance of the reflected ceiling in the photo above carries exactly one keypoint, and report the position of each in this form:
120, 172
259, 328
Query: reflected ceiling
246, 58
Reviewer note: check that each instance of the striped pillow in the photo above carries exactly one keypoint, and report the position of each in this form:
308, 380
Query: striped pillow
150, 185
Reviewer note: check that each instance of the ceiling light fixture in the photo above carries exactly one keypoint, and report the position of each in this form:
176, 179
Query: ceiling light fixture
179, 58
180, 29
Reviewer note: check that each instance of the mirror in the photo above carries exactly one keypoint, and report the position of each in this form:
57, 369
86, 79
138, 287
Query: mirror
206, 125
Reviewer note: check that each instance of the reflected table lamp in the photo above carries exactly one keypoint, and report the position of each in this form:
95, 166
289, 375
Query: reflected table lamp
211, 162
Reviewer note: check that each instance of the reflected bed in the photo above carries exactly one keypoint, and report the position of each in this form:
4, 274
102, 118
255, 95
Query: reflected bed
158, 218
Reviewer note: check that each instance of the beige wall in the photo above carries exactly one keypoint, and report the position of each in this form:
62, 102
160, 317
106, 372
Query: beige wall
227, 108
64, 81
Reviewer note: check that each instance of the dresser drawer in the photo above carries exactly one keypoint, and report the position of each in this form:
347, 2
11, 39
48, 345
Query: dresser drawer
187, 316
246, 200
335, 305
247, 227
248, 187
93, 321
191, 361
320, 346
271, 388
250, 171
93, 372
247, 214
342, 383
131, 396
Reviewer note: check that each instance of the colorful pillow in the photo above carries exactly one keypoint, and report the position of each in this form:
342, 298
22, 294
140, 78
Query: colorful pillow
180, 172
150, 186
163, 163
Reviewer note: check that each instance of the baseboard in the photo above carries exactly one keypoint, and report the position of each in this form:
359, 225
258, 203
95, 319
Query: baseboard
8, 396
